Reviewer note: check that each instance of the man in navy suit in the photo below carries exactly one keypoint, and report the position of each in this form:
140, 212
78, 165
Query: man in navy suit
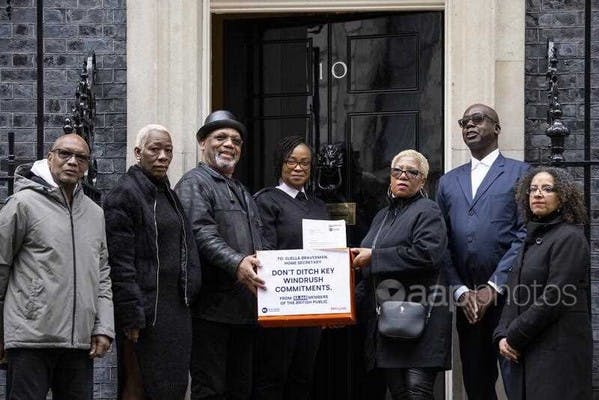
485, 233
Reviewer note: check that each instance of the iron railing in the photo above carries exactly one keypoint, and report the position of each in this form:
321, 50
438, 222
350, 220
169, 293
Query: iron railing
81, 121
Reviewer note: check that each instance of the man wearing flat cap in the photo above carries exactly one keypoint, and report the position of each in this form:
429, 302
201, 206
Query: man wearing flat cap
226, 228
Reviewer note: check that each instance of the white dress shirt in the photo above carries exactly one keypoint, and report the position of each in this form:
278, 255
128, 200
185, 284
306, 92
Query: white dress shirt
480, 168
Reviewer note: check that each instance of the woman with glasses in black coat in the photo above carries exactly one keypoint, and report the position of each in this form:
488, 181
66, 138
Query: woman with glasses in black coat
285, 356
545, 326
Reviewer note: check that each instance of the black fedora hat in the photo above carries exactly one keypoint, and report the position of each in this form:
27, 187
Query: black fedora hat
220, 119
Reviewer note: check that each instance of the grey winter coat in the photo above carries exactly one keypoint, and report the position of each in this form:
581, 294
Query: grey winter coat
54, 277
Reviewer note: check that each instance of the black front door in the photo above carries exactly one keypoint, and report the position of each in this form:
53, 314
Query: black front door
371, 85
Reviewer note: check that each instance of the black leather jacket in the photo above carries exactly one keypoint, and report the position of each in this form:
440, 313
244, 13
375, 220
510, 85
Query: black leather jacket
227, 227
132, 247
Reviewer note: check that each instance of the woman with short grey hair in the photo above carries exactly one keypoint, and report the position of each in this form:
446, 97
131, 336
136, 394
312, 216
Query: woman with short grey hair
155, 274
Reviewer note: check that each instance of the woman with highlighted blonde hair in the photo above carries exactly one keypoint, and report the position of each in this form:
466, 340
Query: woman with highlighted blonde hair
401, 256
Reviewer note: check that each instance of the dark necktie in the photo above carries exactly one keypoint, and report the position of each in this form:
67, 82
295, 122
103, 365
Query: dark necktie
301, 196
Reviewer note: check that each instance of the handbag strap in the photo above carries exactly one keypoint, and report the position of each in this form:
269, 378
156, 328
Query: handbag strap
376, 237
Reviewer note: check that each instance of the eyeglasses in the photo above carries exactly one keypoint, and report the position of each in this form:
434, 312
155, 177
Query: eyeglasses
66, 155
222, 137
410, 173
293, 163
476, 118
546, 189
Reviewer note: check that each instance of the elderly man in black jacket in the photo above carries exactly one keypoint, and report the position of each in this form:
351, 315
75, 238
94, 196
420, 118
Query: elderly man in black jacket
226, 228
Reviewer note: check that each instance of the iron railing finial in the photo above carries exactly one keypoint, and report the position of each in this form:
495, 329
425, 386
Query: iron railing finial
556, 130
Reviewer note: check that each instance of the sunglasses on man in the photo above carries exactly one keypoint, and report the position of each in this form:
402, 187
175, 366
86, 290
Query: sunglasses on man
476, 118
66, 155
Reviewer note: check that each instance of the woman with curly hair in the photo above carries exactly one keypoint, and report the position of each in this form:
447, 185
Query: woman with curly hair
545, 325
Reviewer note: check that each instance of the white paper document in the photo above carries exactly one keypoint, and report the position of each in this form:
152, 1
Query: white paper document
304, 282
323, 234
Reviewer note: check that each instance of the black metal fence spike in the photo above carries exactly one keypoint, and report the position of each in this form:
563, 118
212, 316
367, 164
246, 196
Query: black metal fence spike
81, 121
557, 130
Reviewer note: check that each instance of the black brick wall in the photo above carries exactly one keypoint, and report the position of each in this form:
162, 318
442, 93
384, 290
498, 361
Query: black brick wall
72, 29
564, 22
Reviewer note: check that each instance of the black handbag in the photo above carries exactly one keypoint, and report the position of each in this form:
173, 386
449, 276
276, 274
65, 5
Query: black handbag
396, 318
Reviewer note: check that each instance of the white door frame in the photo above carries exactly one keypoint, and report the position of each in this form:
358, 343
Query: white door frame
237, 7
169, 65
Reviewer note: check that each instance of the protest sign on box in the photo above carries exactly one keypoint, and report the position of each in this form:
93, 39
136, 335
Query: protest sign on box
306, 288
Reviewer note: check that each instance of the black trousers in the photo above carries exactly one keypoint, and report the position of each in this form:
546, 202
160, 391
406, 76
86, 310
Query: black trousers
284, 363
32, 372
410, 383
221, 360
479, 355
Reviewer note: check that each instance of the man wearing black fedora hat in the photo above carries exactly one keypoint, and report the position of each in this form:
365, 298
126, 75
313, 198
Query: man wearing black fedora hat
225, 223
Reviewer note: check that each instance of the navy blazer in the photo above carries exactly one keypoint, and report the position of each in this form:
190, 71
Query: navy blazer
485, 233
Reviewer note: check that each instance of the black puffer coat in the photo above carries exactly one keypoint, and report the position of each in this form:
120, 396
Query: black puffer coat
133, 253
227, 227
546, 317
